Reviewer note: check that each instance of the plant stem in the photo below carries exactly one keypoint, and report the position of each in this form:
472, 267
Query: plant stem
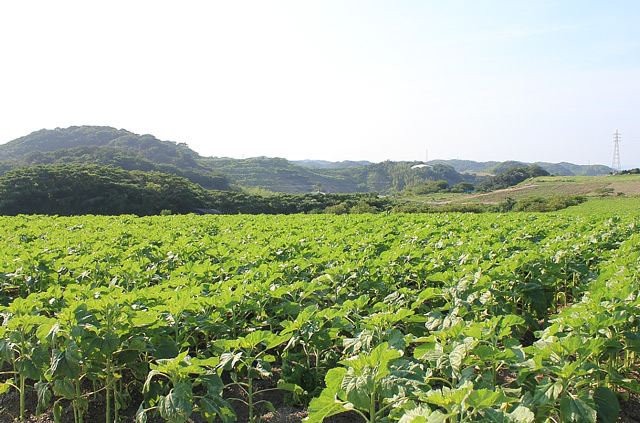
22, 396
372, 408
250, 395
77, 401
108, 383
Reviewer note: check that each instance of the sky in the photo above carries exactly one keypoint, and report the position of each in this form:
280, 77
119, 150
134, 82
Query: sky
543, 80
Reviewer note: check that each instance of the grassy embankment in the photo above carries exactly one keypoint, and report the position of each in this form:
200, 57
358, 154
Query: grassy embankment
604, 193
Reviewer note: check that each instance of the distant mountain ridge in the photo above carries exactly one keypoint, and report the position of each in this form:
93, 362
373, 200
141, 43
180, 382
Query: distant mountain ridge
100, 145
325, 164
494, 167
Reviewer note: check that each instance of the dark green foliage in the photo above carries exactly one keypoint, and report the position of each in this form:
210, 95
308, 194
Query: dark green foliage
432, 187
75, 189
112, 156
441, 208
547, 204
540, 204
397, 176
95, 145
239, 202
634, 171
463, 187
278, 175
511, 177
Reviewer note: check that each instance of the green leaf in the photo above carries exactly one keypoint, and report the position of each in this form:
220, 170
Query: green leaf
213, 383
290, 387
48, 331
396, 340
418, 414
141, 415
165, 348
333, 378
178, 405
324, 406
44, 396
106, 344
607, 406
260, 368
57, 412
447, 398
270, 339
229, 360
429, 351
206, 362
67, 363
494, 416
4, 387
482, 398
521, 415
359, 387
212, 406
547, 391
64, 388
486, 352
5, 350
405, 375
576, 410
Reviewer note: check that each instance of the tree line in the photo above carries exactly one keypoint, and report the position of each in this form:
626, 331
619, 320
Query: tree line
72, 189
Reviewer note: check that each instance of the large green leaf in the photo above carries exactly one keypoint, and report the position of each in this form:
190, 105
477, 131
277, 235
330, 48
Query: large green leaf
177, 406
44, 396
66, 363
607, 406
323, 406
576, 410
482, 398
359, 387
212, 406
64, 388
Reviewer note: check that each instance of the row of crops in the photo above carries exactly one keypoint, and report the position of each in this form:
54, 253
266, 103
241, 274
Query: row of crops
410, 318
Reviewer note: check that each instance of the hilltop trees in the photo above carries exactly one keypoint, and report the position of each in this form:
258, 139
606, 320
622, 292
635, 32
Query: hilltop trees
76, 189
511, 177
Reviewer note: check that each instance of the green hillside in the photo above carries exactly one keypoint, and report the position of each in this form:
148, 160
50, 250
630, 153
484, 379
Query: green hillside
75, 136
103, 146
281, 175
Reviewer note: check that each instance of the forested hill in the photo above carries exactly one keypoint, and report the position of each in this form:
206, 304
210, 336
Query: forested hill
105, 146
75, 136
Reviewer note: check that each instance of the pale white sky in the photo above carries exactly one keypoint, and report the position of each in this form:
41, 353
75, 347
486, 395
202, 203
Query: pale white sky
543, 80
